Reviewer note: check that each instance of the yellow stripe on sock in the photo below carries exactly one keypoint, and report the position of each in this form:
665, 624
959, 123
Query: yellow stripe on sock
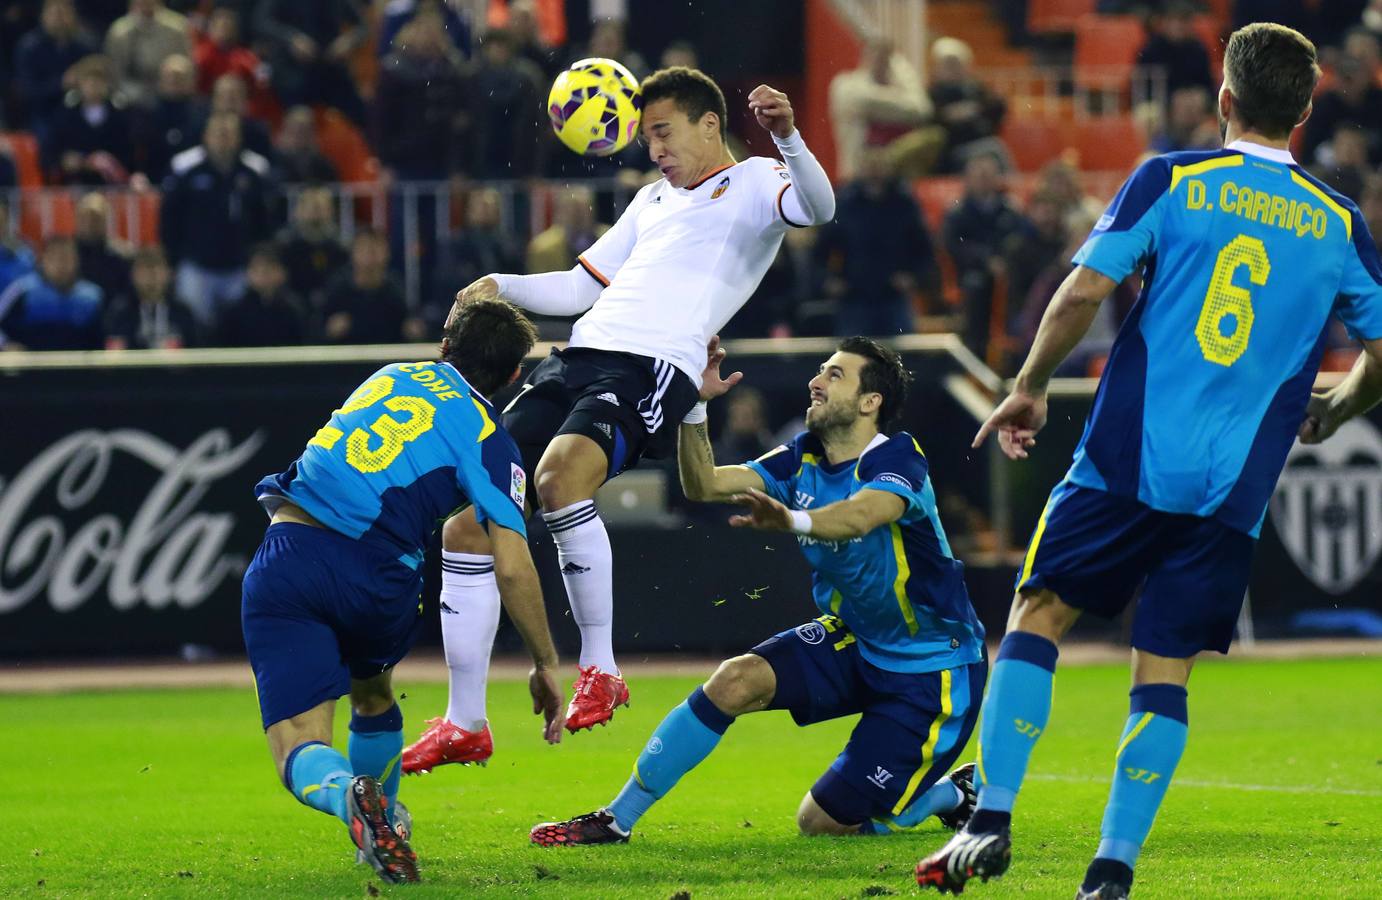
979, 763
1136, 730
928, 749
388, 770
310, 789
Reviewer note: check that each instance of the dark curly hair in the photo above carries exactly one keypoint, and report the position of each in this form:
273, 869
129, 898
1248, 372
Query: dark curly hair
883, 374
694, 92
486, 341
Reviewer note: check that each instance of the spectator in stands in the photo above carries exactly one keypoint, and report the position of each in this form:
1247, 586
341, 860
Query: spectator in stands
1291, 13
267, 314
572, 232
527, 39
100, 261
311, 248
311, 42
1189, 125
975, 233
137, 45
1345, 166
216, 205
230, 94
745, 434
1034, 248
17, 18
1061, 179
89, 142
420, 120
608, 40
877, 251
149, 317
1332, 20
1355, 101
16, 259
300, 160
1365, 46
42, 60
1174, 46
881, 104
52, 309
398, 13
483, 245
218, 51
680, 53
1370, 205
366, 305
970, 113
99, 15
505, 103
174, 122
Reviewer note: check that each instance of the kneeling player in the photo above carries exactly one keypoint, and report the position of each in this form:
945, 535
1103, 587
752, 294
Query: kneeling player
897, 642
331, 600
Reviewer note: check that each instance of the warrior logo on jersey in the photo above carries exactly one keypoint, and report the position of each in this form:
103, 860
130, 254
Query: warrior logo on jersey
720, 188
1328, 506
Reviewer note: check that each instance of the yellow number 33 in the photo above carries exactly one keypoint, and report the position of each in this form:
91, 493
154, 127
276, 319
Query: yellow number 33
391, 433
1224, 299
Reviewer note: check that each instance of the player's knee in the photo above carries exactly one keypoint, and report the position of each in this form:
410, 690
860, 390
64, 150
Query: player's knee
1042, 613
743, 684
462, 534
371, 698
571, 470
813, 821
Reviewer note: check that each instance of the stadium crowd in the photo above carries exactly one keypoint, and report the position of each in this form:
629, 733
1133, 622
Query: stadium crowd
219, 108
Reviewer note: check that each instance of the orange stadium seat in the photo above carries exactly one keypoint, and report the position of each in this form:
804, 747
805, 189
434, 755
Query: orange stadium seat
1111, 143
23, 149
1106, 51
136, 217
937, 197
1035, 142
1044, 16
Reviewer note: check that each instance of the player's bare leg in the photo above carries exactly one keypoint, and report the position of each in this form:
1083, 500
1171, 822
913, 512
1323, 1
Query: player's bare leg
570, 472
469, 621
1015, 713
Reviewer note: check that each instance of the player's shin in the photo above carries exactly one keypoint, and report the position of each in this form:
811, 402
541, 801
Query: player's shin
469, 621
1148, 752
375, 746
319, 776
1014, 716
684, 738
587, 570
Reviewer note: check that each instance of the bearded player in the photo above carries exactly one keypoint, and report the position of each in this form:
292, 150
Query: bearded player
682, 259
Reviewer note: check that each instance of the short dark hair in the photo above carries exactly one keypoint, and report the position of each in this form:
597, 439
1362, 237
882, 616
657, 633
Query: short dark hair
150, 255
694, 92
266, 251
1272, 72
486, 340
883, 374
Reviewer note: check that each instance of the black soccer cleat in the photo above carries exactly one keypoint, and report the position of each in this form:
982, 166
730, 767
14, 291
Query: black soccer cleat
592, 828
982, 855
1106, 879
962, 778
1109, 890
369, 824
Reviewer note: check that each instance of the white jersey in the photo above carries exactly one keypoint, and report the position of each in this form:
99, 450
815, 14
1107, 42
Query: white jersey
680, 262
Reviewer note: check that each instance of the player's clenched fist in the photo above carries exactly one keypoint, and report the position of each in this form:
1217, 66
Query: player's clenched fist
773, 110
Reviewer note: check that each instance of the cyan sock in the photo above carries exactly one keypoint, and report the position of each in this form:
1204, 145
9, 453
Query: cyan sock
1152, 743
1014, 716
319, 776
684, 738
942, 797
375, 746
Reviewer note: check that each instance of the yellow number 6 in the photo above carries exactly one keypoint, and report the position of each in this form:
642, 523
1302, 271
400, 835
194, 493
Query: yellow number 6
1224, 298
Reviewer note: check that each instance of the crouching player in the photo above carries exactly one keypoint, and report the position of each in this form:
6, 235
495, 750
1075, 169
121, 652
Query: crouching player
331, 599
897, 639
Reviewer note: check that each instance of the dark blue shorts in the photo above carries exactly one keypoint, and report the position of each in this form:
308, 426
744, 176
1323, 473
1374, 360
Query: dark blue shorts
1094, 550
913, 726
319, 609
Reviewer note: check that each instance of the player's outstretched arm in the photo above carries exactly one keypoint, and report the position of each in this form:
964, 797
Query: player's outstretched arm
1359, 392
811, 201
840, 521
521, 593
701, 479
548, 293
1018, 418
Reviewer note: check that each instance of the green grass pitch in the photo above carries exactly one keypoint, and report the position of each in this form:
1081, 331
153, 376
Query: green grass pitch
136, 793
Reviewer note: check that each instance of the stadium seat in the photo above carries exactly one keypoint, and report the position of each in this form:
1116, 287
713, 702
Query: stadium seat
1047, 16
1106, 50
24, 150
937, 197
136, 217
343, 144
47, 213
1111, 143
1035, 142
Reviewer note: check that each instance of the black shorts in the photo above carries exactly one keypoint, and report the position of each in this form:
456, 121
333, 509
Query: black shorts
630, 405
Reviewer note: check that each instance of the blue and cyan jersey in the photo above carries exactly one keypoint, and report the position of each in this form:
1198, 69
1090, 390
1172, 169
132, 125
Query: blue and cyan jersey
1246, 255
898, 588
410, 446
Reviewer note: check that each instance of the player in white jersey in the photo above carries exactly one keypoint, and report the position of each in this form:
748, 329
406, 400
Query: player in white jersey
682, 259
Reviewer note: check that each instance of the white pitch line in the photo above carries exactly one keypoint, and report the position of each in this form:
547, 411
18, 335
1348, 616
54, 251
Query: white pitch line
1221, 785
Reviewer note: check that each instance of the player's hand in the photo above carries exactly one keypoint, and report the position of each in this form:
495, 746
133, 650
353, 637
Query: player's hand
773, 111
480, 289
764, 513
1016, 420
547, 701
1322, 419
712, 385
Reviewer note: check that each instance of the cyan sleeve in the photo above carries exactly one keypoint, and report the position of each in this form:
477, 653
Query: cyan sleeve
899, 467
1125, 235
1359, 303
496, 483
778, 468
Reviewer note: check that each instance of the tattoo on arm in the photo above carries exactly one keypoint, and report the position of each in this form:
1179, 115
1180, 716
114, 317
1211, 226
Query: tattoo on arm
703, 438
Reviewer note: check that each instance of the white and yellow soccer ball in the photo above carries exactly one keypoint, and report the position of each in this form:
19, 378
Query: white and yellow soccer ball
595, 107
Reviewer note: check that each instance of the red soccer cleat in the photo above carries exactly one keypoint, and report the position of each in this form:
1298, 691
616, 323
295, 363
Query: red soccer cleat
444, 743
595, 696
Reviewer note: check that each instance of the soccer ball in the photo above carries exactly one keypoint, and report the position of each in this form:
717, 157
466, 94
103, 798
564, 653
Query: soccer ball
595, 107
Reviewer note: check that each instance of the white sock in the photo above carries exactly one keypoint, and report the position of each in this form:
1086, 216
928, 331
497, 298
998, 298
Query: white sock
469, 620
587, 569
